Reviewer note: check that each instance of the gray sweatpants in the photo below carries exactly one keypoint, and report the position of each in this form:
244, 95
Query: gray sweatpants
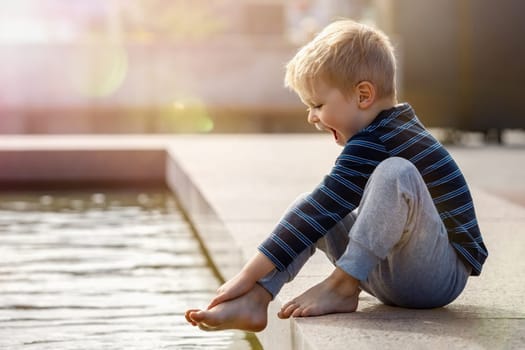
395, 243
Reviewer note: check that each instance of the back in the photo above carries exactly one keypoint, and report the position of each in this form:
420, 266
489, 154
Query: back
403, 135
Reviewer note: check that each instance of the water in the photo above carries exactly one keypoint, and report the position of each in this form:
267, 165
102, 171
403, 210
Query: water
102, 271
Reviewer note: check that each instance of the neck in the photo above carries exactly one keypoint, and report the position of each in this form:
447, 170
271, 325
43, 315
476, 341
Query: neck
380, 105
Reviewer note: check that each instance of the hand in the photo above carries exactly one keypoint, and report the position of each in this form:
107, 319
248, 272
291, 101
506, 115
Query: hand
257, 267
239, 285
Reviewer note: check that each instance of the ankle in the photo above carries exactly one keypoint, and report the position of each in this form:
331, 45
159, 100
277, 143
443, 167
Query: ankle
340, 280
261, 294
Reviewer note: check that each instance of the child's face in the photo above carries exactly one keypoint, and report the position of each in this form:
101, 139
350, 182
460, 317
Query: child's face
329, 109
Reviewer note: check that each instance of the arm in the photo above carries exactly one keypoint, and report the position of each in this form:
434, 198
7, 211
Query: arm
338, 194
256, 268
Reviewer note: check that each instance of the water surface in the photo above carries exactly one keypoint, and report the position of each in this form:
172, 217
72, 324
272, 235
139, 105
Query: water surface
102, 271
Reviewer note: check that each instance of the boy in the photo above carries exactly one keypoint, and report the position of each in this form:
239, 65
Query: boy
414, 240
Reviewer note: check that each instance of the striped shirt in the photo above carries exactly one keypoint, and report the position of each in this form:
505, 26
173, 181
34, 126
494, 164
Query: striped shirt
395, 132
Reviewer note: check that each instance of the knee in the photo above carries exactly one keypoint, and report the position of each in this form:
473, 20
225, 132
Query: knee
395, 168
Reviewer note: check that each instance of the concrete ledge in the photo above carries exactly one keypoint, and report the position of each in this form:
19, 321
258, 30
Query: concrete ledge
249, 181
70, 168
234, 188
75, 161
218, 243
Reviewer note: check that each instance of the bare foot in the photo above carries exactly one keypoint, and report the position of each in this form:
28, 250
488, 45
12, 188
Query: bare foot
247, 312
338, 293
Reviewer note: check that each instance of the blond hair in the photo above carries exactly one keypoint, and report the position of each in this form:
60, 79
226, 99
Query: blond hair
343, 54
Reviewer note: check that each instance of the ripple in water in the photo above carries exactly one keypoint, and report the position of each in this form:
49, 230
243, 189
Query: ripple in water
110, 270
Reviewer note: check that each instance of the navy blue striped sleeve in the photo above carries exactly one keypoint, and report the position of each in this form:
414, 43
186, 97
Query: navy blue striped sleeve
336, 196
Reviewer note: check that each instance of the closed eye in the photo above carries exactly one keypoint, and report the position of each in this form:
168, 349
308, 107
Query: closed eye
314, 107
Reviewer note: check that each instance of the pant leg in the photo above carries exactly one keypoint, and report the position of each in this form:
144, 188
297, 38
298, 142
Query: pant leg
399, 247
333, 244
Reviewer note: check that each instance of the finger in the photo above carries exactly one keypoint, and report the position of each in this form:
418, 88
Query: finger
221, 289
221, 298
217, 300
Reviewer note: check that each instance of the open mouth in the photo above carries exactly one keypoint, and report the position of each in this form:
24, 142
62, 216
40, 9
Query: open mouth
325, 128
335, 134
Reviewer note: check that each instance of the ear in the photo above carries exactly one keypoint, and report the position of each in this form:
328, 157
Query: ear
366, 94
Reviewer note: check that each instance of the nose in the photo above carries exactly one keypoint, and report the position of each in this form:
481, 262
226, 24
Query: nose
312, 117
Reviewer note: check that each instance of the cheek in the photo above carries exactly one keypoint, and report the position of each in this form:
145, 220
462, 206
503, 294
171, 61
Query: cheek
334, 117
327, 114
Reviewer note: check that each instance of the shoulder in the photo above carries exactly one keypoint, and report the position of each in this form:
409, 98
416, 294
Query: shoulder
364, 147
364, 141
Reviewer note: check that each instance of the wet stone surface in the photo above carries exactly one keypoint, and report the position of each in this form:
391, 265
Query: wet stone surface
102, 271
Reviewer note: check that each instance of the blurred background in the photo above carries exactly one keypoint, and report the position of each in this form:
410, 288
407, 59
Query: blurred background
217, 66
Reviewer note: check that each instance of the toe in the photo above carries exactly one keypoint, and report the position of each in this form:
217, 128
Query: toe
298, 312
188, 316
281, 315
288, 310
197, 316
306, 312
207, 328
288, 304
